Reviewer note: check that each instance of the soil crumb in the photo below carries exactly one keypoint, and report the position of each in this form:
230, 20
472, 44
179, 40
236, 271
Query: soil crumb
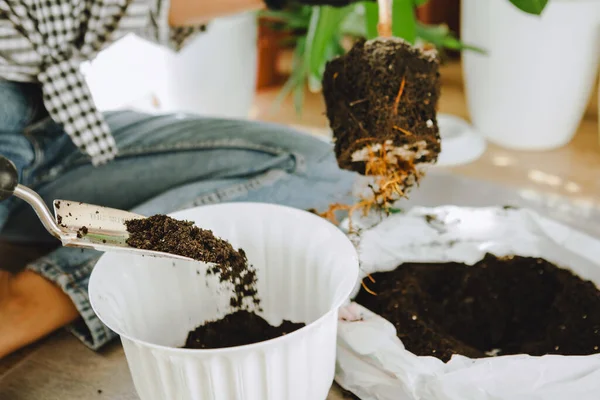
81, 232
514, 305
237, 329
166, 234
384, 93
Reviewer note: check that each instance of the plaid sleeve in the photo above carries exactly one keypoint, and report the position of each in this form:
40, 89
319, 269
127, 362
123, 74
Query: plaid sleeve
50, 28
69, 102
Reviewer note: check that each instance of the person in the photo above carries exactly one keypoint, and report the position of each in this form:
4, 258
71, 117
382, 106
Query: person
150, 164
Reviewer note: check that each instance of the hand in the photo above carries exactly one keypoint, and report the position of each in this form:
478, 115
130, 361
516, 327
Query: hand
198, 12
279, 4
333, 3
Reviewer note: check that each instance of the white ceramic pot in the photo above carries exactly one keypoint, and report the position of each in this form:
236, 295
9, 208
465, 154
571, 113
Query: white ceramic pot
530, 91
306, 268
215, 74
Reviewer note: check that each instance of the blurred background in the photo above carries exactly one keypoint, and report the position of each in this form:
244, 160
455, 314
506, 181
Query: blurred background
519, 102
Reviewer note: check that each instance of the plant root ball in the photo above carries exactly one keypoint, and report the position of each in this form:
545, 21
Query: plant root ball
381, 98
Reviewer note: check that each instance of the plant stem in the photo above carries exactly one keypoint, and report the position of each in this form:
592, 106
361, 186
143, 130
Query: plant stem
384, 27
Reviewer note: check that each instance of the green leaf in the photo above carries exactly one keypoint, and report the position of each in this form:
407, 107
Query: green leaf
371, 19
296, 80
299, 98
289, 19
531, 6
441, 37
354, 24
324, 26
419, 2
404, 22
394, 210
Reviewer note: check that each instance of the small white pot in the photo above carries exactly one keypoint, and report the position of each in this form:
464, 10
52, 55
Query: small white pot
215, 74
530, 91
306, 269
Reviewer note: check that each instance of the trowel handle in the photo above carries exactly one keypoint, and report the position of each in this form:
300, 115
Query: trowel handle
9, 186
9, 178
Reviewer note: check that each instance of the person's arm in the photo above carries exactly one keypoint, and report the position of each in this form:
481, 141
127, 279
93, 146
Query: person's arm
196, 12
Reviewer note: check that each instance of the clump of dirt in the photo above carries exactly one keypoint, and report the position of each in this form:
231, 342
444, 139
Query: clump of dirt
381, 99
515, 305
81, 232
383, 92
169, 235
237, 329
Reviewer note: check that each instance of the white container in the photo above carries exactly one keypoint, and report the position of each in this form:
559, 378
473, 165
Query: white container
306, 269
215, 74
532, 88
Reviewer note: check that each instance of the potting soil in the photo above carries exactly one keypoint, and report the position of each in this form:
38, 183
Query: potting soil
169, 235
237, 329
242, 326
514, 305
383, 91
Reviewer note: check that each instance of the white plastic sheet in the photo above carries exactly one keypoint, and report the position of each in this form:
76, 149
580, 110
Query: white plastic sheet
372, 362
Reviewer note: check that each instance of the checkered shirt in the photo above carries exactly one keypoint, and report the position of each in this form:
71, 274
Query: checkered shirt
45, 41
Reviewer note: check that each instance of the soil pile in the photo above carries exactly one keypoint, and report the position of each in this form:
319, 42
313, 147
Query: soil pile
237, 329
516, 305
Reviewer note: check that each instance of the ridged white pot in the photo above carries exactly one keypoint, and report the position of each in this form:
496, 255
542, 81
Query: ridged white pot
306, 268
530, 91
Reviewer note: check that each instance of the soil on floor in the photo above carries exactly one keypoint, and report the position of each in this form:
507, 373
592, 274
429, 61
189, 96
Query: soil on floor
516, 305
169, 235
237, 329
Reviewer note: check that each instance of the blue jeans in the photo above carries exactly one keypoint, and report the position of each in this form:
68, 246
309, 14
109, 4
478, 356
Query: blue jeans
166, 163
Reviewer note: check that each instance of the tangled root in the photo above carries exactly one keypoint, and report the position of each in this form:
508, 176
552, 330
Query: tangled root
392, 178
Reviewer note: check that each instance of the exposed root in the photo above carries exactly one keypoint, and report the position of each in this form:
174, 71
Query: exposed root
391, 177
330, 213
364, 285
397, 128
399, 95
355, 102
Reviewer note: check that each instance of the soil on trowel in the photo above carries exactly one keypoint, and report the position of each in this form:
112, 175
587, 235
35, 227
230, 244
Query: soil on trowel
514, 305
383, 91
237, 329
166, 234
242, 326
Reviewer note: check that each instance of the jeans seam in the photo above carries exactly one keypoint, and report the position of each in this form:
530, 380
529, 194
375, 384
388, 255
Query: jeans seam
38, 157
299, 160
236, 190
209, 144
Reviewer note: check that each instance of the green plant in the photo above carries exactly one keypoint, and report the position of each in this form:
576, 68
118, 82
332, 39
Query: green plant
321, 33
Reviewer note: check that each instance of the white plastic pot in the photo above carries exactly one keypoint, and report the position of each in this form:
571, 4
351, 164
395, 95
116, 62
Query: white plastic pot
306, 269
215, 74
530, 91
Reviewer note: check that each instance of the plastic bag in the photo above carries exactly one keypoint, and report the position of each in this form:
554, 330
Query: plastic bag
373, 363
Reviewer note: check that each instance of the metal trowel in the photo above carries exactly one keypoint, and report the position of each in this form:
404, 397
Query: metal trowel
77, 224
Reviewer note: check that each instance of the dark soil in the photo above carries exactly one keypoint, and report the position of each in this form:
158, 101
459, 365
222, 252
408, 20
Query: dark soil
81, 232
361, 95
237, 329
166, 234
516, 305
